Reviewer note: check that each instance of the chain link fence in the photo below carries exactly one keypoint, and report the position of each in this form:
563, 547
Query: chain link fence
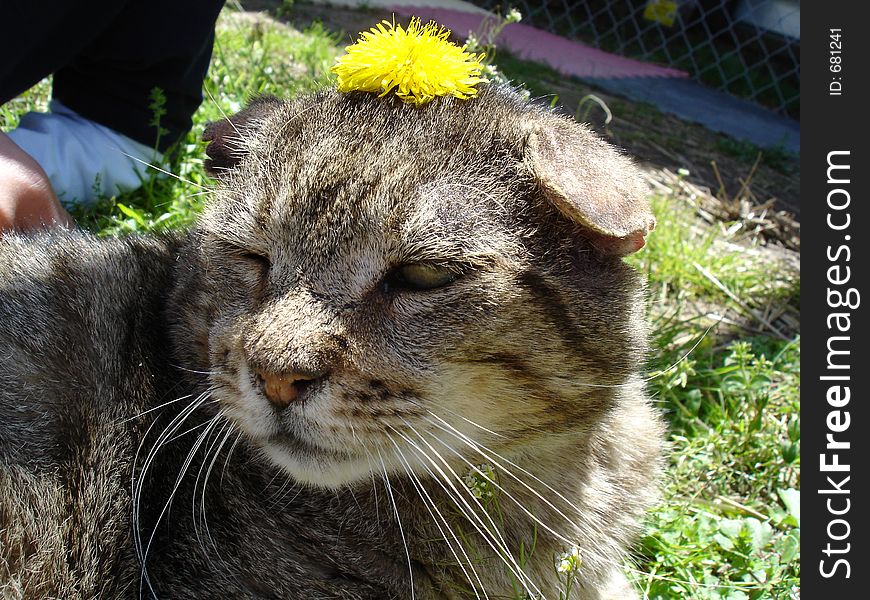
749, 48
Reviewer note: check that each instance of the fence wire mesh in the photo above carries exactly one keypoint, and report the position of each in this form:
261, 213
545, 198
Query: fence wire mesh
749, 48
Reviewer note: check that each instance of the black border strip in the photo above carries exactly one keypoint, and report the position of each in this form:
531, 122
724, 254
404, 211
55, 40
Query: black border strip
834, 126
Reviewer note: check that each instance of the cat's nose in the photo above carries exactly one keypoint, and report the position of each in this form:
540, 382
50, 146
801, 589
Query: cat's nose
282, 389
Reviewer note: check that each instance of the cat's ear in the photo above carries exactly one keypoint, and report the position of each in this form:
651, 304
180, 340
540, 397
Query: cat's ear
590, 183
226, 137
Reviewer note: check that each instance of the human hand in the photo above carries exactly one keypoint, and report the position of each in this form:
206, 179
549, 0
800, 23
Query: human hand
27, 200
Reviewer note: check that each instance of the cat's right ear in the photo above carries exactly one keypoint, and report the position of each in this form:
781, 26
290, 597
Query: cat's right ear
590, 183
226, 137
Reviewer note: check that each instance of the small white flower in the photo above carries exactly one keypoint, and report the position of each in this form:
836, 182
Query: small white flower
513, 16
682, 172
481, 481
569, 561
472, 44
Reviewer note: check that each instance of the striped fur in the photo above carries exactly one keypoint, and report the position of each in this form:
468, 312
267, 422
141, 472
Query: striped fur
139, 456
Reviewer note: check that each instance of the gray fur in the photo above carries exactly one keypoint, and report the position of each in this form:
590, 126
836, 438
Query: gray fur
539, 342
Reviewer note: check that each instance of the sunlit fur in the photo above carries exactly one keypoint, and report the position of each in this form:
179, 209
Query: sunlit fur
529, 361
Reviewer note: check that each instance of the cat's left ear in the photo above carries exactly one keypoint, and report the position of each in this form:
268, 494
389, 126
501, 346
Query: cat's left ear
226, 137
590, 183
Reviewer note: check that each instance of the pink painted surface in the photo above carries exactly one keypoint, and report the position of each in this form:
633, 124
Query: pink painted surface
565, 56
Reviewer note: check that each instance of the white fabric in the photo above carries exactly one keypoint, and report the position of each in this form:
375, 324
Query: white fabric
83, 160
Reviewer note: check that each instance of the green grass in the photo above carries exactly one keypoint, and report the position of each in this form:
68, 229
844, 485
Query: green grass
731, 514
729, 522
685, 258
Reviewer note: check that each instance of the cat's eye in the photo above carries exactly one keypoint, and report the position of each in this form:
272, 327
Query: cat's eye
256, 259
419, 277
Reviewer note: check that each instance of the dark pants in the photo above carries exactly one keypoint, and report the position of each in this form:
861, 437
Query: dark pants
109, 56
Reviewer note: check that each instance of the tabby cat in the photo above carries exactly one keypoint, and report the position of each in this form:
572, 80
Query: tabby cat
398, 356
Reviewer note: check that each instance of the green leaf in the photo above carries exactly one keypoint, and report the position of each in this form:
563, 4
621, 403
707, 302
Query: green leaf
731, 527
791, 451
724, 542
794, 428
791, 499
760, 533
133, 214
789, 546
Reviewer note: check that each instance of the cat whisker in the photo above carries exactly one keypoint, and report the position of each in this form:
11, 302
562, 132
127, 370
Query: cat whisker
430, 505
349, 489
230, 453
349, 486
478, 447
184, 433
506, 556
196, 371
275, 494
229, 431
224, 435
291, 120
370, 461
221, 110
158, 407
136, 491
138, 486
201, 519
471, 517
458, 415
169, 435
201, 193
277, 497
685, 356
167, 432
474, 446
299, 489
519, 504
399, 521
492, 536
271, 481
184, 467
165, 172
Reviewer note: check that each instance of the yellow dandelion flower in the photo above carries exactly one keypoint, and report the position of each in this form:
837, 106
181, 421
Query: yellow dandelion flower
418, 63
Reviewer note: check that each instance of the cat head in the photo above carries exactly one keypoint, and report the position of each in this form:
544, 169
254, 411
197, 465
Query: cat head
375, 282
